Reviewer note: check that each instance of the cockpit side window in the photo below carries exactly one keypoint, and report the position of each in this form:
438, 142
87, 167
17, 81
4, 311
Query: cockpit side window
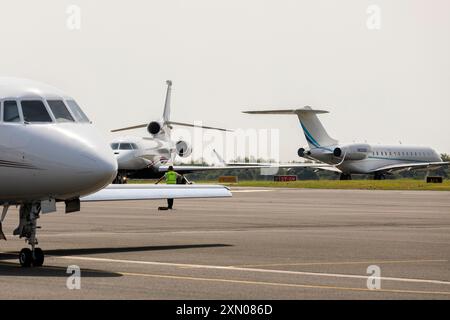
35, 111
115, 146
60, 111
79, 115
126, 146
10, 112
134, 146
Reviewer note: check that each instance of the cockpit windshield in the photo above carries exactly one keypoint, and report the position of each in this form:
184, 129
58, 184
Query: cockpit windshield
35, 111
115, 146
11, 112
124, 146
79, 115
60, 111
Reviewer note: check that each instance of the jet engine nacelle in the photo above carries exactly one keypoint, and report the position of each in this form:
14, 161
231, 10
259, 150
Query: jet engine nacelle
353, 151
183, 148
302, 152
154, 127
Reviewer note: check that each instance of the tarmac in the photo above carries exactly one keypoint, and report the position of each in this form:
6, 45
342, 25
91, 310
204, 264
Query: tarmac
259, 244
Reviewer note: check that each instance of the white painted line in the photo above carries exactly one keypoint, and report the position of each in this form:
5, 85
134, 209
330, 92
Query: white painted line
336, 263
227, 268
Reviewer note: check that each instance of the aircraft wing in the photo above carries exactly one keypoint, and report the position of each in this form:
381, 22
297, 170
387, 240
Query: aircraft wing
181, 169
247, 165
320, 166
411, 166
122, 192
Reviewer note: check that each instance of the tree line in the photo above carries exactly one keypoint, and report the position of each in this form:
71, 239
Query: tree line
304, 173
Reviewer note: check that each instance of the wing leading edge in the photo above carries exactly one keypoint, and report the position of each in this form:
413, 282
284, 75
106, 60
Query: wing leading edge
154, 192
410, 166
189, 169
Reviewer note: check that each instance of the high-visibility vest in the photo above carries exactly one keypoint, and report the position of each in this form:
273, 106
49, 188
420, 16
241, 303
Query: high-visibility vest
171, 177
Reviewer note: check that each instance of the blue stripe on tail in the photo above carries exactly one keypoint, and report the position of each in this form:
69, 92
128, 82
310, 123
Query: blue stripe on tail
309, 137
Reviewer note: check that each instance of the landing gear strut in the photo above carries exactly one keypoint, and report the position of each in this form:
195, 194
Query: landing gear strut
120, 179
29, 213
345, 176
379, 176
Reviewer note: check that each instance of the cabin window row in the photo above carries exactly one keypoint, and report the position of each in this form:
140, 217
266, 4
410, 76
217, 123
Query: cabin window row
401, 153
41, 111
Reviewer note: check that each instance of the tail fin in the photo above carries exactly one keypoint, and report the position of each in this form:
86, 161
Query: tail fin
166, 123
166, 114
315, 133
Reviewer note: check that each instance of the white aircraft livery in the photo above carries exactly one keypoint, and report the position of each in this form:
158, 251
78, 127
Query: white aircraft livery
148, 157
356, 158
51, 152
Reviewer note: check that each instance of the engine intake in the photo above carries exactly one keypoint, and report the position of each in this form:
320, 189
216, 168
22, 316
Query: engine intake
154, 127
183, 149
337, 152
353, 151
301, 152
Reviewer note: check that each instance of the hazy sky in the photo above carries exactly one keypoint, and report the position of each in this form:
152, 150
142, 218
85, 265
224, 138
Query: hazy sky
381, 85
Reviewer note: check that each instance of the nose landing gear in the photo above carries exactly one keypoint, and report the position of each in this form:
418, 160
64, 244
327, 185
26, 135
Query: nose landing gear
29, 213
120, 179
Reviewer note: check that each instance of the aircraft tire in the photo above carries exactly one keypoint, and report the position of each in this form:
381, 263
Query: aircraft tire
25, 257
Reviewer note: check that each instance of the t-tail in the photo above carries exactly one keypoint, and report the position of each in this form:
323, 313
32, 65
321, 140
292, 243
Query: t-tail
314, 131
162, 128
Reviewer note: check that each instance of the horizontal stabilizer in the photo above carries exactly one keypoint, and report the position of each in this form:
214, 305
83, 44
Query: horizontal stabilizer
288, 111
171, 123
131, 128
195, 126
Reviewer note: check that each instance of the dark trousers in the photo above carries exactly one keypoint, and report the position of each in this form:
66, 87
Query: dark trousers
170, 203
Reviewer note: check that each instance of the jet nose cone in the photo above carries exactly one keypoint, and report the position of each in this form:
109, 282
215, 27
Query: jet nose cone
123, 156
75, 159
96, 165
105, 168
129, 160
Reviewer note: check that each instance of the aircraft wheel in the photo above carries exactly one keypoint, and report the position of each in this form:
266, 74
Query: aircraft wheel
25, 257
38, 259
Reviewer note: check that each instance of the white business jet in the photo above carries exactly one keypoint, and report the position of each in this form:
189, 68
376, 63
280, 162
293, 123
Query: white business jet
148, 157
356, 158
51, 152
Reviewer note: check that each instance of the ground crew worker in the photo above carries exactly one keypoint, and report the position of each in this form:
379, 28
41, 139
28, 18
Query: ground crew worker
171, 178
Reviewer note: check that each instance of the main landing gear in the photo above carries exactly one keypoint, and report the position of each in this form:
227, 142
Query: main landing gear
345, 176
379, 176
29, 213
